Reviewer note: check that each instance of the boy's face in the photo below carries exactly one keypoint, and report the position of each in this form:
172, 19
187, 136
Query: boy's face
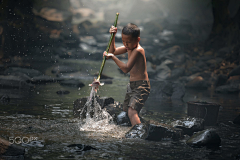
129, 42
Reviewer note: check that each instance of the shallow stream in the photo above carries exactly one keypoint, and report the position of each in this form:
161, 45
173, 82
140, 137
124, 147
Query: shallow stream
43, 122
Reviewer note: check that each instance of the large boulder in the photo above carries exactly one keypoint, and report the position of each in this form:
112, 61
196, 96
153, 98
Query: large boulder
207, 137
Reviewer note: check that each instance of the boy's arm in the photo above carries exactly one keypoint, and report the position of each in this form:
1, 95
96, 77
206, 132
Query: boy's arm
112, 48
125, 67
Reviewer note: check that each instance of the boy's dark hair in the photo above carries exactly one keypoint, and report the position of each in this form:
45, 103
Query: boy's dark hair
131, 29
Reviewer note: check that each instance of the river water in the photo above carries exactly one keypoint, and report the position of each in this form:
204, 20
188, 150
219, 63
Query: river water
43, 122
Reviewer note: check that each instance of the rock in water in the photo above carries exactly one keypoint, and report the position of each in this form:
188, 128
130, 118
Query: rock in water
189, 125
123, 120
204, 138
138, 131
163, 131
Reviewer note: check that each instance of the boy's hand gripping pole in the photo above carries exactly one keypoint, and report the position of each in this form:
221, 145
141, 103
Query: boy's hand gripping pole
96, 82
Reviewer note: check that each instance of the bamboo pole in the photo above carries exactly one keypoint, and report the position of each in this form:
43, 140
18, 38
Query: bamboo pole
109, 44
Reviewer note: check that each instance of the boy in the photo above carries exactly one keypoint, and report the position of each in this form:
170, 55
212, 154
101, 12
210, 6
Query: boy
139, 87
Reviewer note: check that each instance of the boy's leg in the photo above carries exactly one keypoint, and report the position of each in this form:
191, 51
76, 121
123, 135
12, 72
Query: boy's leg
133, 116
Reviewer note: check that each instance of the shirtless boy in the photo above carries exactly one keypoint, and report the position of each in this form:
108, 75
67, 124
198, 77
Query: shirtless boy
139, 87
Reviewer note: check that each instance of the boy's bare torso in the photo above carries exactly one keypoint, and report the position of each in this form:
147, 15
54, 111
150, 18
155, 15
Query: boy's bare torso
139, 70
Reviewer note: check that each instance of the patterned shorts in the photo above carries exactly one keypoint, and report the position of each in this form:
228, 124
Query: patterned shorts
137, 94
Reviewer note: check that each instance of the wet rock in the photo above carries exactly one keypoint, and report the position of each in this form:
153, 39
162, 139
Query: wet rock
197, 82
72, 83
113, 110
207, 137
104, 101
63, 92
123, 119
163, 131
189, 125
63, 69
81, 147
237, 120
4, 99
29, 72
235, 72
11, 82
230, 88
138, 131
8, 149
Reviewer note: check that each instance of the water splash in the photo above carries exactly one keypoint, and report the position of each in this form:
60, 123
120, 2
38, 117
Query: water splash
97, 119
